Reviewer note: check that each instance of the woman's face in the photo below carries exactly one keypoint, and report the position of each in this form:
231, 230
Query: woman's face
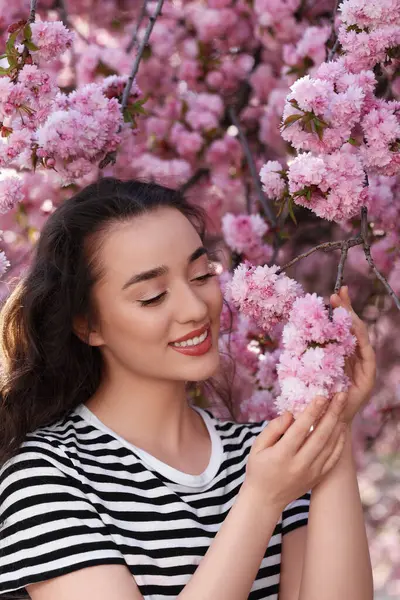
140, 313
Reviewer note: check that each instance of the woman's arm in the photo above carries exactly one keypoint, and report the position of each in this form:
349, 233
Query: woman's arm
337, 564
230, 566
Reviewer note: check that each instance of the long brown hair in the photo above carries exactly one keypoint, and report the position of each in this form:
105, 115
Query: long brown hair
47, 369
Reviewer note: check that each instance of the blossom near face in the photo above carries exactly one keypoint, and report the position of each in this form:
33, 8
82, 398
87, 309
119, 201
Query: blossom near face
140, 316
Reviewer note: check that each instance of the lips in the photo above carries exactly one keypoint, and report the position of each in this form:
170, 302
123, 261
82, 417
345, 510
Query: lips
192, 334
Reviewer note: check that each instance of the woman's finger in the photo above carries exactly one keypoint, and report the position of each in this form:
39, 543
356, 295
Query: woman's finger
297, 433
317, 441
326, 455
360, 329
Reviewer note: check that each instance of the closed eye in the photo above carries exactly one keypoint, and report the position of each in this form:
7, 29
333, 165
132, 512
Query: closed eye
157, 299
204, 277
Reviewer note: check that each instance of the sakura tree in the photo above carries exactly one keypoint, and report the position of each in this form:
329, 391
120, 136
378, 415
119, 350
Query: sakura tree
280, 117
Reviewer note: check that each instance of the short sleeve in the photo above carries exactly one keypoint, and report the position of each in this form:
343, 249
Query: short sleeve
48, 527
296, 513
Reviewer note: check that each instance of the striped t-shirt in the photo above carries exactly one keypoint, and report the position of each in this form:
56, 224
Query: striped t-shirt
77, 494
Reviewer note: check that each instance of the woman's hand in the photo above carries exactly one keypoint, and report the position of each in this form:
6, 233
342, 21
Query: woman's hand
286, 460
361, 366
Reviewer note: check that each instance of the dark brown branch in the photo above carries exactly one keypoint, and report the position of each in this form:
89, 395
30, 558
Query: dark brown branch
339, 277
139, 54
32, 14
326, 247
202, 172
367, 252
138, 24
111, 157
333, 37
344, 246
264, 201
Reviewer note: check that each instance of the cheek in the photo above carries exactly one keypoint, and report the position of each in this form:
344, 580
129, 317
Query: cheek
130, 324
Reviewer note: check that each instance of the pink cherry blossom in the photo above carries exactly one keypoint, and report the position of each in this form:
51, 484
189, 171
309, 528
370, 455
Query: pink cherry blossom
331, 185
312, 362
273, 183
52, 39
10, 193
262, 294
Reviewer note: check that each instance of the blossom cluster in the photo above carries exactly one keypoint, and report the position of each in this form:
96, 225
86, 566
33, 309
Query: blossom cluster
263, 294
244, 235
368, 33
315, 348
82, 128
331, 185
51, 38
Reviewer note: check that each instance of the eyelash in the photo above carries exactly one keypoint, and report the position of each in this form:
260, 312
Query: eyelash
157, 298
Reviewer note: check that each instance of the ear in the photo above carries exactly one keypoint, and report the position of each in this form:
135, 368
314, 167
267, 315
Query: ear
81, 330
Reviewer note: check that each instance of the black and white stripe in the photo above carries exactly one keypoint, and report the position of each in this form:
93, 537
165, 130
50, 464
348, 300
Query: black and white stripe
78, 495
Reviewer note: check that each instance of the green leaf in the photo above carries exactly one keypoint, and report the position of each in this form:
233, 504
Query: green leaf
128, 117
307, 126
353, 141
31, 46
291, 211
290, 120
308, 194
4, 71
11, 42
318, 129
28, 32
12, 60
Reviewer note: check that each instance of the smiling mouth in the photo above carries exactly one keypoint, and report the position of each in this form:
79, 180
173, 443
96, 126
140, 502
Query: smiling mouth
194, 341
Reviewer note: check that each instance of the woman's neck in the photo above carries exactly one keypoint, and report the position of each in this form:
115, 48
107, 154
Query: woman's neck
152, 415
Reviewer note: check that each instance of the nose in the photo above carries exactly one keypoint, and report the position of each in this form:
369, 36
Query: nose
190, 306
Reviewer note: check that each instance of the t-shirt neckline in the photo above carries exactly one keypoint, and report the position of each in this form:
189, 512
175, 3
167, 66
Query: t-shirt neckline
184, 479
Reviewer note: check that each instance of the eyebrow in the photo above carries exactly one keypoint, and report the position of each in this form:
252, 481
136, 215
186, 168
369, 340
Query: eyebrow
163, 269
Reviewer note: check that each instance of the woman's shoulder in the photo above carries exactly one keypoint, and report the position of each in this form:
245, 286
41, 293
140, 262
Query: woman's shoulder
44, 445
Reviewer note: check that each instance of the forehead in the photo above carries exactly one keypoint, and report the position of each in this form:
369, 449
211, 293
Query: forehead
163, 236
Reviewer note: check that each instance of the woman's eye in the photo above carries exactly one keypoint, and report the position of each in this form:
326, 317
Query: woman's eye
152, 300
157, 299
205, 277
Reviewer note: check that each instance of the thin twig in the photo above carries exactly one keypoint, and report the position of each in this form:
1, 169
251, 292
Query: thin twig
62, 9
250, 161
333, 35
138, 24
139, 54
32, 13
202, 172
326, 247
367, 252
111, 157
339, 277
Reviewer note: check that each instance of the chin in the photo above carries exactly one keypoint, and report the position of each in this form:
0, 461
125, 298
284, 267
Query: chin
202, 372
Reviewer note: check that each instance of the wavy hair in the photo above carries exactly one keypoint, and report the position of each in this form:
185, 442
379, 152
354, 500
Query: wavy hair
47, 370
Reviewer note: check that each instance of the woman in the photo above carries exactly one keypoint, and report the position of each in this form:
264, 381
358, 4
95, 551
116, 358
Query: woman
112, 484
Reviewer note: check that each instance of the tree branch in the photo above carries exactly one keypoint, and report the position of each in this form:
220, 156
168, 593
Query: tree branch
111, 157
133, 40
333, 35
139, 54
202, 172
265, 202
32, 13
326, 247
367, 252
339, 276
